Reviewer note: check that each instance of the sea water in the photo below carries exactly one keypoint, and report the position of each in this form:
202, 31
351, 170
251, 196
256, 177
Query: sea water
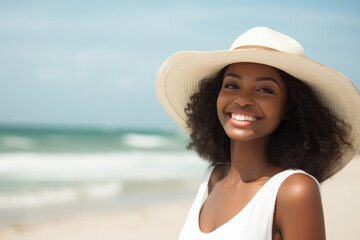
52, 168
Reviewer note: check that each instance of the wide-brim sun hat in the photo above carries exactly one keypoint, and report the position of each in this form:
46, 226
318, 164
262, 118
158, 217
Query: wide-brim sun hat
179, 76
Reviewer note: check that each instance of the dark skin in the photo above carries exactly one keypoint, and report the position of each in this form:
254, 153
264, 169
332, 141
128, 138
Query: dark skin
251, 104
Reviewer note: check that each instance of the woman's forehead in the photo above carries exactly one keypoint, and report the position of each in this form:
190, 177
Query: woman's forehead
254, 70
252, 67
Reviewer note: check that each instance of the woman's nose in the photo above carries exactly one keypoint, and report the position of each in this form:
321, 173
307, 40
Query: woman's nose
244, 98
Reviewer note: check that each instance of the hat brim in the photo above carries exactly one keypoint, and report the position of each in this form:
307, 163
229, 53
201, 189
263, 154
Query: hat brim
179, 76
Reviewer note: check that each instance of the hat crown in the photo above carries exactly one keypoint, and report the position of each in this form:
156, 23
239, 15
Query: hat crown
266, 37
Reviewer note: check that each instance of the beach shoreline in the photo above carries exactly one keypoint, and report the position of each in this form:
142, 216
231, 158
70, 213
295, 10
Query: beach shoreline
132, 199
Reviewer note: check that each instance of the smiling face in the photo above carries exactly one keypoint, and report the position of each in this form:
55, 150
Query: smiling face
251, 103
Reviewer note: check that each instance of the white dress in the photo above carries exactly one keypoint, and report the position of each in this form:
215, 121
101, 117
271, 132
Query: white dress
253, 222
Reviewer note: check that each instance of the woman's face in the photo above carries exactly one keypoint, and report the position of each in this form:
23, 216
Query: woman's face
251, 103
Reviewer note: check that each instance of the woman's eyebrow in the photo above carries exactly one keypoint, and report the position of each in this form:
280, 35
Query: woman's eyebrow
233, 75
257, 80
267, 79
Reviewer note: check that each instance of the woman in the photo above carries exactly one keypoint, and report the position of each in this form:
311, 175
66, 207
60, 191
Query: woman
271, 138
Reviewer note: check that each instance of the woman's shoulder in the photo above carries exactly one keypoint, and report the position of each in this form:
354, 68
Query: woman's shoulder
298, 186
298, 203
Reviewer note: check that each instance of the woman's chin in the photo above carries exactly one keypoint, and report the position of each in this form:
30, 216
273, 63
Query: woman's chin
239, 134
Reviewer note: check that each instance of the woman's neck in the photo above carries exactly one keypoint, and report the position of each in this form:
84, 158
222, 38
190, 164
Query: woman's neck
249, 161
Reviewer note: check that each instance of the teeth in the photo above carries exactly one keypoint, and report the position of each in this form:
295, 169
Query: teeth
243, 117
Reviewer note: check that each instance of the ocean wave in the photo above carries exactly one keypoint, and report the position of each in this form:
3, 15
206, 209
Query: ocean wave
106, 166
147, 141
16, 142
46, 197
30, 180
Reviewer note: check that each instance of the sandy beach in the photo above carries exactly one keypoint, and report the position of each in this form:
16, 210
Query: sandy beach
341, 197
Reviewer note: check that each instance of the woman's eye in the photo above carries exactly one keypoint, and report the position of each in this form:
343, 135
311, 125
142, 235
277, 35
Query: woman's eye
266, 90
231, 86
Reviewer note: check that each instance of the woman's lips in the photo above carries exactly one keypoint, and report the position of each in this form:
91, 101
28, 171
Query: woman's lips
242, 119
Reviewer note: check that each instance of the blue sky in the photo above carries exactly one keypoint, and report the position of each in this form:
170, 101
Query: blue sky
93, 63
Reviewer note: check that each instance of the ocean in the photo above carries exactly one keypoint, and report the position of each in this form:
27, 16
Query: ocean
45, 173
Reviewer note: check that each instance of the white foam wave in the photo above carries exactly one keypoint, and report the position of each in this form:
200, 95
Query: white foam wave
107, 166
90, 176
46, 197
146, 141
16, 142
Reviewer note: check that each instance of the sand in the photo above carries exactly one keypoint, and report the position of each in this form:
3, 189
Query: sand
161, 221
341, 201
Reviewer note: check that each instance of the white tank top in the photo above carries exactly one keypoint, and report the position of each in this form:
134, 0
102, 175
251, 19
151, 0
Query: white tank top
253, 222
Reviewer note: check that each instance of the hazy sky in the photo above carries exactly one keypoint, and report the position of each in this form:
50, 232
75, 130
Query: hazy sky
93, 63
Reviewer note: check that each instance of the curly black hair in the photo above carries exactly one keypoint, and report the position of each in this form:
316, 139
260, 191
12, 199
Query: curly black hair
311, 138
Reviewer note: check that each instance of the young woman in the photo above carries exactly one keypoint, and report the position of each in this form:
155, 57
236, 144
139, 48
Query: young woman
273, 123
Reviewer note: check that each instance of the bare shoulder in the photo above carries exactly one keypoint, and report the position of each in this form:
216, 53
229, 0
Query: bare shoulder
299, 213
298, 187
217, 175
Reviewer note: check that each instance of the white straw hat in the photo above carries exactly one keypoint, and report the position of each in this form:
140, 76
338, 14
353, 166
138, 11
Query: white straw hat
179, 76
